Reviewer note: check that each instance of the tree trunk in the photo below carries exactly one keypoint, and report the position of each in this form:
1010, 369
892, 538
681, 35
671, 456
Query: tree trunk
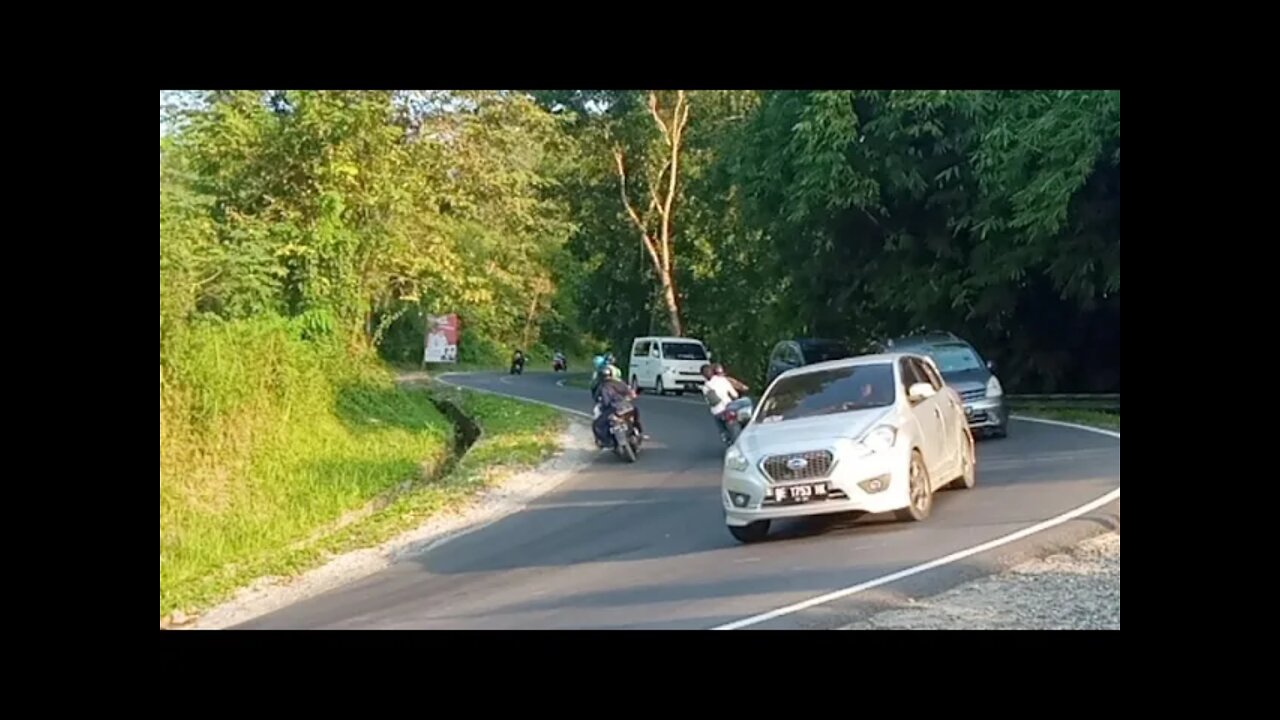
528, 321
673, 309
660, 244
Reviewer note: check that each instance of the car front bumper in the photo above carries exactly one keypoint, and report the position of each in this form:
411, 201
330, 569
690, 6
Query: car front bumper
986, 414
686, 382
845, 494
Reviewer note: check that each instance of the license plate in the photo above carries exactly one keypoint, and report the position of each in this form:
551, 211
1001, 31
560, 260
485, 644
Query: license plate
800, 493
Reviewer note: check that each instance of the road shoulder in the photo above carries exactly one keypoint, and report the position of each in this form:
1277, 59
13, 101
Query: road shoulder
1077, 589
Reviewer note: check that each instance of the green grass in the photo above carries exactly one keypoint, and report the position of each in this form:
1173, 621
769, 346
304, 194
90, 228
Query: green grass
514, 436
1082, 416
276, 453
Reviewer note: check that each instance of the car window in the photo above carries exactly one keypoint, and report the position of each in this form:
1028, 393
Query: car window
641, 349
822, 352
793, 355
683, 351
926, 369
910, 374
778, 354
955, 358
845, 389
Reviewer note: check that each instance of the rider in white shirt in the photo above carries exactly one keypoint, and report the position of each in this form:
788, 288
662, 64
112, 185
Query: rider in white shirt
720, 391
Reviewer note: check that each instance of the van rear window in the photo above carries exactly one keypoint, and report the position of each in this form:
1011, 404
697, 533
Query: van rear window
683, 351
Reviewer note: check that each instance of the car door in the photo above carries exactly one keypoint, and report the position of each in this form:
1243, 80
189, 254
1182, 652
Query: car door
639, 361
952, 415
775, 361
928, 416
791, 358
655, 364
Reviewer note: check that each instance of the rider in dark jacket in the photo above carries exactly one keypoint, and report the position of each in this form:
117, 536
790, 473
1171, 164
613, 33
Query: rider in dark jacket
611, 393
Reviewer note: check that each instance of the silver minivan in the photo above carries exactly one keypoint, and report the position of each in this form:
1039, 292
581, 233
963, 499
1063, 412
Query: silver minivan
972, 377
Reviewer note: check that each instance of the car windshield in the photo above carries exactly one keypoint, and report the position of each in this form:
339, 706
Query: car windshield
683, 351
954, 358
822, 352
845, 389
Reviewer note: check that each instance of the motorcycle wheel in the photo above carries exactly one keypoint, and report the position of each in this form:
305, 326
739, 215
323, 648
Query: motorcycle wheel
623, 446
734, 431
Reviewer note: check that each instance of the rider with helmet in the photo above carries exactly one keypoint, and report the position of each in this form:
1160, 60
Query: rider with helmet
597, 377
721, 392
611, 393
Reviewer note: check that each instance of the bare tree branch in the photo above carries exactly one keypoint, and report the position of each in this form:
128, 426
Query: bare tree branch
679, 119
635, 217
653, 110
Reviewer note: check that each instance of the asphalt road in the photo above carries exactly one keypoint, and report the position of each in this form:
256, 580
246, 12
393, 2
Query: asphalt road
644, 546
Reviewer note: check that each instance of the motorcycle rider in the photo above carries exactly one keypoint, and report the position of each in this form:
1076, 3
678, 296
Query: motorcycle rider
721, 391
597, 377
611, 393
559, 361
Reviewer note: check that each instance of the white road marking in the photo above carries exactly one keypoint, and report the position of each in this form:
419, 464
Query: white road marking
1075, 426
579, 413
948, 559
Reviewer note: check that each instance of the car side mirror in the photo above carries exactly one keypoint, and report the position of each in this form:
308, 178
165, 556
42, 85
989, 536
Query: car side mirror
920, 392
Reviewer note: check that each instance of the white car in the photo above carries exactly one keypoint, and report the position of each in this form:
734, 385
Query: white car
873, 434
667, 364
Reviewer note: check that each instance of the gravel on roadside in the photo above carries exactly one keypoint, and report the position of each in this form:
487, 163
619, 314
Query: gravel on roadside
1074, 590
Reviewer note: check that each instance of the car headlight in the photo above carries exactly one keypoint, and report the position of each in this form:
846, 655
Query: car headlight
880, 439
993, 387
735, 460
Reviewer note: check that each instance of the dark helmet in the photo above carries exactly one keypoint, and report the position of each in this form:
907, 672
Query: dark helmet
607, 372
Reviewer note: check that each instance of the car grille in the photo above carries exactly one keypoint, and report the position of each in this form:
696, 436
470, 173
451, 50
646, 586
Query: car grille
970, 395
818, 465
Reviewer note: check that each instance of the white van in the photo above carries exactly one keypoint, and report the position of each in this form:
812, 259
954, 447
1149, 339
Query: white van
667, 364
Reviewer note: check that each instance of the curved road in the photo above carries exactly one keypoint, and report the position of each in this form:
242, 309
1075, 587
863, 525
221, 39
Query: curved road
644, 546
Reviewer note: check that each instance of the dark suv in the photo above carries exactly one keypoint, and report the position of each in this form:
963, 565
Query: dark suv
790, 354
963, 369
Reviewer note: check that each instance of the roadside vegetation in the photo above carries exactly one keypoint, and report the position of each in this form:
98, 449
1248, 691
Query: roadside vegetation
1082, 416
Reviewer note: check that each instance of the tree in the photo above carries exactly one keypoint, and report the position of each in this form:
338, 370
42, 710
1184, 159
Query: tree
655, 224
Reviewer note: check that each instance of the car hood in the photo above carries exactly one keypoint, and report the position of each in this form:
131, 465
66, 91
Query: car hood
809, 433
968, 379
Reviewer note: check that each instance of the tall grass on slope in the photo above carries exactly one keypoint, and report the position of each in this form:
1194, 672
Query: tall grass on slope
268, 441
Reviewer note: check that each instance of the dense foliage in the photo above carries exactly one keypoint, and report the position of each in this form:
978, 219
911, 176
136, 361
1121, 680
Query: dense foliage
861, 214
848, 214
299, 232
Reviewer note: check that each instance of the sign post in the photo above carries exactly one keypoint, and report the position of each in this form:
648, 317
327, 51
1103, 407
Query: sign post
441, 342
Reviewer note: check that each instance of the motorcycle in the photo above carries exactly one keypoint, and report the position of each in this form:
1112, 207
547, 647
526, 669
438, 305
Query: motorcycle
517, 365
735, 417
559, 365
622, 429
